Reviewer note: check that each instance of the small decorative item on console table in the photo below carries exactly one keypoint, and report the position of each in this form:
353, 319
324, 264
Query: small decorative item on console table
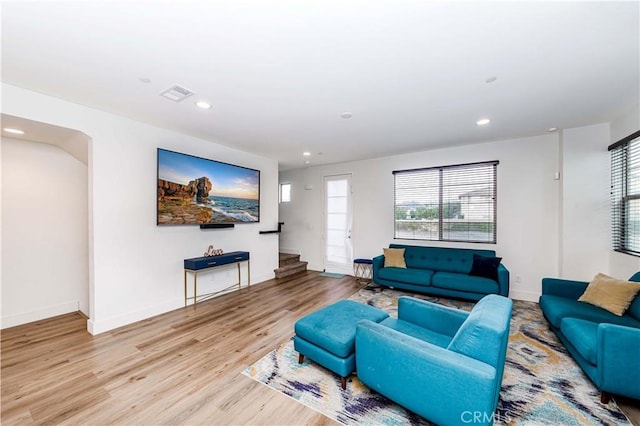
199, 264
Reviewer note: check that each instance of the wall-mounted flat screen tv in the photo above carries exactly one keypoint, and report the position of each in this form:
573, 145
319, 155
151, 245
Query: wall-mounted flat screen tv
196, 191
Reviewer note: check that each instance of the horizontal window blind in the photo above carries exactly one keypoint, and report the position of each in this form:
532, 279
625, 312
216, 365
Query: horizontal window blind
447, 203
625, 194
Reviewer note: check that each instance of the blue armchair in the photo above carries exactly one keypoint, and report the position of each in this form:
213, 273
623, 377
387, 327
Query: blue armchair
442, 363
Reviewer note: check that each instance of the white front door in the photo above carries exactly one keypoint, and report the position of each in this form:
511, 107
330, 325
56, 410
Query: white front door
338, 247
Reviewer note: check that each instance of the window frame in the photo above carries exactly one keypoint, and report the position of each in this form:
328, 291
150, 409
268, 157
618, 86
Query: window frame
280, 200
625, 158
444, 184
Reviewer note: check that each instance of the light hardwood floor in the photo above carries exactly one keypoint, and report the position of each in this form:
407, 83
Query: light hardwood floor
182, 367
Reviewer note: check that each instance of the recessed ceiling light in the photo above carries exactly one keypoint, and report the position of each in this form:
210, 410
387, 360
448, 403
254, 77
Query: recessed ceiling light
346, 115
483, 121
203, 105
14, 131
307, 162
306, 153
552, 129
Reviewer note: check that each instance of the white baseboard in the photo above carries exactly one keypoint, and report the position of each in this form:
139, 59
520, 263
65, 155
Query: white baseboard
39, 314
315, 267
102, 325
524, 295
108, 324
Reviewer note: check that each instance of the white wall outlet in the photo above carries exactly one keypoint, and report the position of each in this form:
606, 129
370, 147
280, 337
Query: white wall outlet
517, 279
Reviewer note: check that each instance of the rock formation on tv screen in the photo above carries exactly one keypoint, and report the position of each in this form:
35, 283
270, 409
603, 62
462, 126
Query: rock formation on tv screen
178, 204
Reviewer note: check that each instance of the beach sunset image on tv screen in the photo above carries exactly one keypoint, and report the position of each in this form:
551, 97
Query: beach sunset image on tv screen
194, 190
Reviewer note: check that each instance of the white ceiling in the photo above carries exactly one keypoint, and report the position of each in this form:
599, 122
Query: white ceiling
280, 73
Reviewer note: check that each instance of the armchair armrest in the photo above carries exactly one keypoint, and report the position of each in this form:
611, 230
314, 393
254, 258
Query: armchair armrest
441, 319
618, 357
564, 288
438, 384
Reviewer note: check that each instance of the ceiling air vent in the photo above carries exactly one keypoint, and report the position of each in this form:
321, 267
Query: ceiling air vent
177, 93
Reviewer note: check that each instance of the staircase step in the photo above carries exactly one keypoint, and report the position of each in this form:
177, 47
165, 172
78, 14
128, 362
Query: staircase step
291, 269
288, 259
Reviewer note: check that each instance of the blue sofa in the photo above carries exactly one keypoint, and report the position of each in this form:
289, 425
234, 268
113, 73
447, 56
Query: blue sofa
606, 346
442, 363
441, 271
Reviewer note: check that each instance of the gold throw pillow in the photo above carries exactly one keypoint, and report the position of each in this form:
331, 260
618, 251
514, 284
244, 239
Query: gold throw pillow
394, 258
611, 294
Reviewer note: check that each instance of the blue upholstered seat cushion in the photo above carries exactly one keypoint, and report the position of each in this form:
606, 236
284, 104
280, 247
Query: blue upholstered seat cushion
408, 275
420, 333
462, 282
333, 328
555, 308
583, 335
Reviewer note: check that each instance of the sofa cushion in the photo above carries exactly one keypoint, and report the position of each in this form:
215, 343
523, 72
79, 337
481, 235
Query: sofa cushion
394, 258
484, 266
420, 333
634, 308
441, 258
408, 275
555, 308
583, 335
462, 282
610, 293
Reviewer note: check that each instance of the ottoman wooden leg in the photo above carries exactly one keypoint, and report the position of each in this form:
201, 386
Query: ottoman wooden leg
300, 358
343, 382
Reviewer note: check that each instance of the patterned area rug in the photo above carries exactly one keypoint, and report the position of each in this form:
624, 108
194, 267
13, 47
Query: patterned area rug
542, 384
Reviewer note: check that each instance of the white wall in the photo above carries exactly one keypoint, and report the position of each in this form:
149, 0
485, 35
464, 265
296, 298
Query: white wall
528, 206
135, 267
624, 265
44, 217
586, 217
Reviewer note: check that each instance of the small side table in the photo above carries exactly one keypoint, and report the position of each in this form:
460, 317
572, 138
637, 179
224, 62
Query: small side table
362, 270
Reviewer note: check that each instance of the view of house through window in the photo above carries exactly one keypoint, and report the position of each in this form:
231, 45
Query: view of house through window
285, 192
625, 194
447, 203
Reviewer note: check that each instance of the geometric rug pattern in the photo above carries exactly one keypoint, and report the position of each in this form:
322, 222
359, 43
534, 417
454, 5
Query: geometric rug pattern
542, 385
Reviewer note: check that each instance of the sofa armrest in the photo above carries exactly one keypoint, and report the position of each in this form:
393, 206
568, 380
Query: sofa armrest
503, 280
441, 319
438, 384
564, 288
618, 357
378, 262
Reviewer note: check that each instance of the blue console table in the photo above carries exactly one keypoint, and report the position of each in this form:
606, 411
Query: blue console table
200, 264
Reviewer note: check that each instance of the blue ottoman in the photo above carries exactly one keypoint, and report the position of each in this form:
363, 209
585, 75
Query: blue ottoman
327, 336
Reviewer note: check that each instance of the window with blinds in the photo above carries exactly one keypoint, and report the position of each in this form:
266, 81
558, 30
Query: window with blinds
447, 203
625, 194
